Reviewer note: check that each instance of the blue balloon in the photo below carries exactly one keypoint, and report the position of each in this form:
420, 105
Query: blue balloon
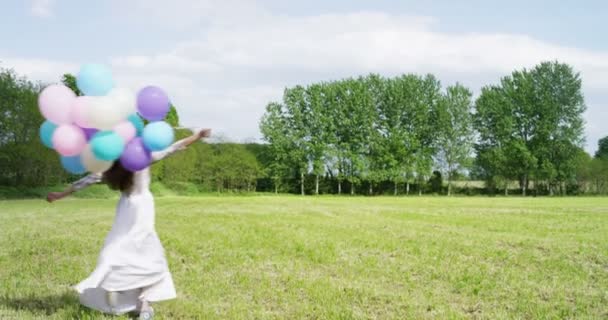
107, 145
95, 80
46, 133
137, 122
157, 136
73, 165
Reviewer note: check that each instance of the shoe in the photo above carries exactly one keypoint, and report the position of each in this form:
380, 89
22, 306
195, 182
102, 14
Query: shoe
147, 314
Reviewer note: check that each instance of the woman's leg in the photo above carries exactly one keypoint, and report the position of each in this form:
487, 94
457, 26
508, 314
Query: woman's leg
145, 311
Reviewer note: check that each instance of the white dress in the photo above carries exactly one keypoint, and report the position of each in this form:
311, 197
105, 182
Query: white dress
132, 265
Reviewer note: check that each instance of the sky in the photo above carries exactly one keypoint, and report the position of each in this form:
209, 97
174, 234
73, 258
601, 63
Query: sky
221, 62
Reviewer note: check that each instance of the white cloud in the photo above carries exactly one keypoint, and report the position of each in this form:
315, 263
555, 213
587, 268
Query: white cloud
47, 71
238, 56
42, 8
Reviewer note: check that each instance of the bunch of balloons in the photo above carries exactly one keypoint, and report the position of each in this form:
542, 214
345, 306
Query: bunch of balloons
90, 132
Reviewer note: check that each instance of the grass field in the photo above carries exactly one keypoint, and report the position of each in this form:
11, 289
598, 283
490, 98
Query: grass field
327, 258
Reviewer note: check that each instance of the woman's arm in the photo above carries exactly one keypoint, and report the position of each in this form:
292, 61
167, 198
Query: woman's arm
181, 144
76, 186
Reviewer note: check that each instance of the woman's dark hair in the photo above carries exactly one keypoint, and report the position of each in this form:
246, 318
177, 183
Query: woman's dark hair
118, 178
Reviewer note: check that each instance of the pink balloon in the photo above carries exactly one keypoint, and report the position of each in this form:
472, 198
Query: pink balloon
69, 140
80, 111
126, 130
55, 103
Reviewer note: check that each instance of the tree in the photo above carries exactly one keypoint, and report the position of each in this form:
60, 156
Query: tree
317, 122
24, 161
534, 119
425, 114
396, 141
455, 139
298, 133
602, 150
274, 131
69, 80
172, 117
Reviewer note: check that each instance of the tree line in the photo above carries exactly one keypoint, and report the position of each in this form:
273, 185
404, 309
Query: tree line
26, 164
406, 131
365, 135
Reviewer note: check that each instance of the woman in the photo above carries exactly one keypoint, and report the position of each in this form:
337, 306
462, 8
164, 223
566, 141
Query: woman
131, 269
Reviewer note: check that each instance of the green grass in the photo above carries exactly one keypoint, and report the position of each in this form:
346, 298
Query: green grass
327, 258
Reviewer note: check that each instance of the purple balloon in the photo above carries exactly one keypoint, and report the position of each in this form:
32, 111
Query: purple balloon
152, 103
89, 132
135, 157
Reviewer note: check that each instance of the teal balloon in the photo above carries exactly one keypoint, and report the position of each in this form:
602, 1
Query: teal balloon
158, 136
95, 80
107, 145
137, 122
73, 165
46, 133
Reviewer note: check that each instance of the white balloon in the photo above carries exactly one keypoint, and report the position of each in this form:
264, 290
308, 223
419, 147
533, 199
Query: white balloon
126, 100
93, 164
104, 112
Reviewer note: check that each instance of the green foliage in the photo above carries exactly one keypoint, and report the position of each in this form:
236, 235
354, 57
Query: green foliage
367, 135
531, 126
172, 117
24, 161
602, 150
69, 80
455, 143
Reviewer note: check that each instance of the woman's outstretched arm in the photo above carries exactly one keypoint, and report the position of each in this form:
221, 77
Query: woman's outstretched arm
91, 179
181, 144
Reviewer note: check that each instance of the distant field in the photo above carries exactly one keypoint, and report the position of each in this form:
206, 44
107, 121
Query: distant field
327, 258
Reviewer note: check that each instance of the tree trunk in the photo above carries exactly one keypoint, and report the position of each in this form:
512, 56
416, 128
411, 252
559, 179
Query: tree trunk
506, 189
339, 187
449, 187
276, 187
352, 189
371, 189
395, 190
302, 183
317, 184
407, 188
524, 185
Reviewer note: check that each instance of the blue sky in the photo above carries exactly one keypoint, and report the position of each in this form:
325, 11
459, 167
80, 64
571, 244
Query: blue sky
221, 62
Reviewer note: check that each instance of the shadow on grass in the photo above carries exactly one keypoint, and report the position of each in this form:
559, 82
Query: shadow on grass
47, 304
67, 304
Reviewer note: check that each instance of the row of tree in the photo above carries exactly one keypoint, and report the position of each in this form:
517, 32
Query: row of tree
26, 163
372, 129
369, 135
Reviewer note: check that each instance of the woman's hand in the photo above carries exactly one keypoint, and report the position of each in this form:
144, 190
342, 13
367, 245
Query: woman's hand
54, 196
204, 133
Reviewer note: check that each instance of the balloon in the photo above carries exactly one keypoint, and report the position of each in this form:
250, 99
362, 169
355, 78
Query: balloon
157, 136
89, 132
80, 109
73, 165
107, 145
94, 80
126, 130
55, 103
91, 163
125, 99
135, 157
152, 103
104, 113
137, 123
69, 140
46, 133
